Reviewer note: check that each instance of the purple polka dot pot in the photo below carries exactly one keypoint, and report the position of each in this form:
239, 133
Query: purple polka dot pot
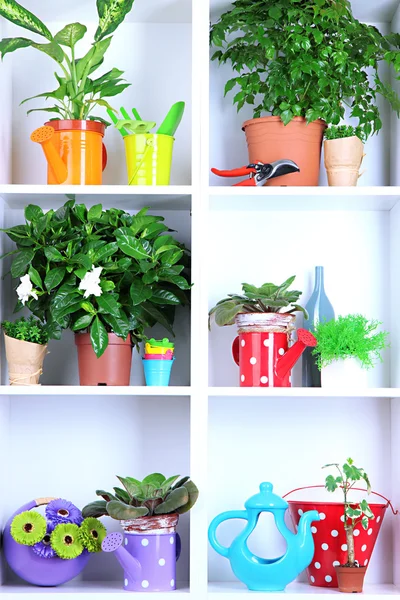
147, 557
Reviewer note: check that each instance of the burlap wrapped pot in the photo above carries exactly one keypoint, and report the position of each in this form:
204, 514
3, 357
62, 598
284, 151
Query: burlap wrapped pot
25, 361
343, 158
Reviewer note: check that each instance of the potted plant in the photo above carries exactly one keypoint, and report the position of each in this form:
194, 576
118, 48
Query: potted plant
52, 549
343, 154
265, 321
105, 274
26, 346
78, 93
306, 63
148, 511
351, 574
347, 348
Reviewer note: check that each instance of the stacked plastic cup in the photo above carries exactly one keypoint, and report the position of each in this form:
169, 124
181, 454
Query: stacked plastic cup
157, 362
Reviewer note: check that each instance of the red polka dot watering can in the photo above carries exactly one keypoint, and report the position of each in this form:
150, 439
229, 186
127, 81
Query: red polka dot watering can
330, 537
262, 348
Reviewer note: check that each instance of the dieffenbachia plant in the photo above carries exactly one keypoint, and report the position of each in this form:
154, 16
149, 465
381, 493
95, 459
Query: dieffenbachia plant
77, 93
155, 495
354, 513
99, 271
268, 298
294, 58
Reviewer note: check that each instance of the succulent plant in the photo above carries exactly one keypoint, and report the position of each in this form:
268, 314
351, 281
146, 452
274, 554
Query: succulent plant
155, 495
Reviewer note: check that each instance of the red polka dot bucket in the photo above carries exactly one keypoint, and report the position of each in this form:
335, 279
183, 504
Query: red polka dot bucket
330, 537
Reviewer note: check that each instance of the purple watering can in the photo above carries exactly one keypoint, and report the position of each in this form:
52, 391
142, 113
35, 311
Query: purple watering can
31, 567
148, 553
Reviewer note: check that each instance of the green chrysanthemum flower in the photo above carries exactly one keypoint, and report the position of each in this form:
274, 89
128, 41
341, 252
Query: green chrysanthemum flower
65, 541
91, 533
28, 528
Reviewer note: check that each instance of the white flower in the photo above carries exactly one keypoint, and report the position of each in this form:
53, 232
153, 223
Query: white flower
90, 283
25, 289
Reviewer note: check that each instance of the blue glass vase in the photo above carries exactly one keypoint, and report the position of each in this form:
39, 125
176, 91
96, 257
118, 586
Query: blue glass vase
319, 308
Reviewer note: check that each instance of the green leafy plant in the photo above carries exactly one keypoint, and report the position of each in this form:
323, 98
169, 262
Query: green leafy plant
343, 131
27, 330
352, 336
77, 93
268, 298
307, 59
99, 271
155, 495
354, 514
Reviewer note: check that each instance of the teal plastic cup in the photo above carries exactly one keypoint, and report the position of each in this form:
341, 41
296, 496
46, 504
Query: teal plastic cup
157, 372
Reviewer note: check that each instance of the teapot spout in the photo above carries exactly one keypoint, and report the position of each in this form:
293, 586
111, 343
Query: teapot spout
43, 136
286, 363
131, 566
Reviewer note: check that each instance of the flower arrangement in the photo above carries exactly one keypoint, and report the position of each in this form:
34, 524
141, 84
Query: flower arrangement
352, 336
26, 330
77, 93
155, 495
268, 298
62, 532
98, 271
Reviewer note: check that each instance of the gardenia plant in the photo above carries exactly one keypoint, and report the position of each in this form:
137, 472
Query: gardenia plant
99, 271
155, 495
354, 513
77, 93
352, 336
306, 59
268, 298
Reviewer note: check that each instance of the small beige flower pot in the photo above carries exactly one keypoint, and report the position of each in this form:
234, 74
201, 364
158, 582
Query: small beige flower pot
343, 160
25, 361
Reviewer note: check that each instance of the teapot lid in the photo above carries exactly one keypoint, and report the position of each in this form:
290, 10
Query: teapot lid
266, 499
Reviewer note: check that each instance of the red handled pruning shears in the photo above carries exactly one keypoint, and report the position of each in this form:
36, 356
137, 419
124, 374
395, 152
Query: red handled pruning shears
259, 173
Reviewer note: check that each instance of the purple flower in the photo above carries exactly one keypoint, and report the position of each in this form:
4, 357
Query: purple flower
62, 511
43, 548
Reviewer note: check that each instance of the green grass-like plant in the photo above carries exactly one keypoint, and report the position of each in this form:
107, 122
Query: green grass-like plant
343, 131
352, 336
26, 330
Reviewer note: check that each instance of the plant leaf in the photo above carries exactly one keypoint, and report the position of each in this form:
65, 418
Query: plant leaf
54, 277
106, 495
21, 261
82, 323
70, 34
17, 14
193, 495
175, 500
131, 246
108, 304
139, 292
11, 44
52, 254
98, 337
92, 59
95, 509
122, 512
156, 479
111, 14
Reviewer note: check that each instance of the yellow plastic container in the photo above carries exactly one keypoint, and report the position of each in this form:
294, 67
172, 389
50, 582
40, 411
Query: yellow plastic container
148, 158
157, 349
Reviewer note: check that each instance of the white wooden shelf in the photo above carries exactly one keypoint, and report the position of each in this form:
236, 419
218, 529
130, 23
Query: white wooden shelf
243, 392
77, 590
224, 590
76, 390
322, 191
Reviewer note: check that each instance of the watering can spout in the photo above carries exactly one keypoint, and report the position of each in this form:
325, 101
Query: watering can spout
43, 136
131, 566
287, 361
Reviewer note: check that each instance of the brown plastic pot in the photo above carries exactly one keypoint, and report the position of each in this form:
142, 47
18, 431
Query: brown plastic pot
112, 368
268, 139
343, 160
350, 579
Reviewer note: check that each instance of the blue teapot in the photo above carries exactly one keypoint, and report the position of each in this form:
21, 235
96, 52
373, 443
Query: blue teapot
260, 574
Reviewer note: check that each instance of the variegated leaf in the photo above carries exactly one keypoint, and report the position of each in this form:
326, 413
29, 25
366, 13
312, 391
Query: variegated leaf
17, 14
111, 14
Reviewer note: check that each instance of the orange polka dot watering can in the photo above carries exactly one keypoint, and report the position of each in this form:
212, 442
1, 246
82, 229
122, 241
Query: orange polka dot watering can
74, 151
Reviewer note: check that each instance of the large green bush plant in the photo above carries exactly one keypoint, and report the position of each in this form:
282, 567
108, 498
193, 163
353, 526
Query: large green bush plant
77, 93
308, 59
99, 270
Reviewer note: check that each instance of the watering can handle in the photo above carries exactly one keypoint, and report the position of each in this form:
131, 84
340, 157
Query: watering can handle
235, 350
178, 546
104, 156
212, 530
310, 487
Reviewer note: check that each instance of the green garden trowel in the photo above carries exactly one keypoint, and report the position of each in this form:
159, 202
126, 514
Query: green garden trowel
172, 120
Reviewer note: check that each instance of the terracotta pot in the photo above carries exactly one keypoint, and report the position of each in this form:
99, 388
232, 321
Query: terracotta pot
343, 160
268, 139
112, 368
350, 579
25, 361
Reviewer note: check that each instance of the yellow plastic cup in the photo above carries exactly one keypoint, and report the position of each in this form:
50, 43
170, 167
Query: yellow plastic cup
156, 349
148, 158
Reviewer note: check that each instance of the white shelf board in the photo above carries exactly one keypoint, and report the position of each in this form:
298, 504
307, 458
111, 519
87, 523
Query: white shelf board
150, 11
303, 590
289, 199
246, 392
77, 590
118, 196
76, 390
